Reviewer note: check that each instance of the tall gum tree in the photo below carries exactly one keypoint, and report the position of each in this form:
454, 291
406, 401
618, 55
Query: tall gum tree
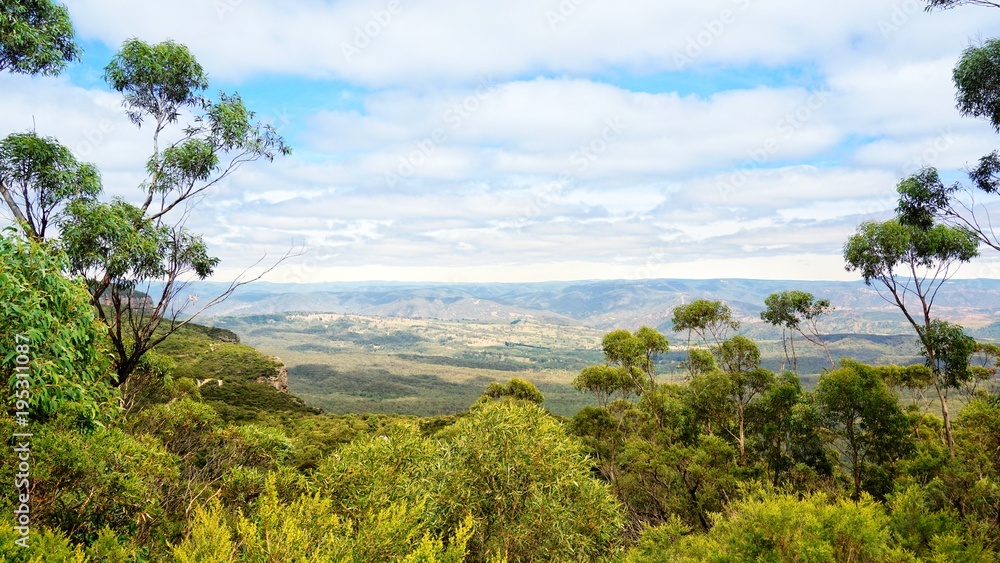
791, 310
739, 358
706, 319
908, 264
137, 258
923, 197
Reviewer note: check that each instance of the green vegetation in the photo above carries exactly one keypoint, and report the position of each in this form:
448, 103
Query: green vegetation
36, 37
200, 456
133, 441
423, 367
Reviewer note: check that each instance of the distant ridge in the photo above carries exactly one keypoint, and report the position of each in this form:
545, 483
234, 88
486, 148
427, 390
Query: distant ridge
604, 304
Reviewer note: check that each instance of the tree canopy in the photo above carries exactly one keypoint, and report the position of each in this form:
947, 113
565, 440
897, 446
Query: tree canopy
36, 37
39, 177
790, 310
911, 262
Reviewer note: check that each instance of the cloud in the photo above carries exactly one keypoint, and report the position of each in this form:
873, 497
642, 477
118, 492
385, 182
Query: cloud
562, 139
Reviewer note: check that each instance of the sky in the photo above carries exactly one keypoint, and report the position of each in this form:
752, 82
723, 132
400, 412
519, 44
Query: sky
533, 140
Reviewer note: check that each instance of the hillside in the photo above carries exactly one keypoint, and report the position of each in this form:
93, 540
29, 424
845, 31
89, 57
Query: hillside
239, 382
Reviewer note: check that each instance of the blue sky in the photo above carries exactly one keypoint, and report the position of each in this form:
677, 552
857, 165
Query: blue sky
536, 140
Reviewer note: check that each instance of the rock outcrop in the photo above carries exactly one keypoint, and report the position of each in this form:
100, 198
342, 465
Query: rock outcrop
280, 378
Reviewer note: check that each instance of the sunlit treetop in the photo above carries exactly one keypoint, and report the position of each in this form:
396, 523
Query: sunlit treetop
36, 37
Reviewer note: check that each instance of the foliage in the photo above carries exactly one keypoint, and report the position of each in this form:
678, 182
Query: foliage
122, 249
976, 79
516, 389
309, 529
912, 262
705, 319
788, 423
36, 37
117, 481
38, 176
661, 480
635, 354
526, 485
790, 310
373, 472
923, 197
46, 320
770, 526
886, 252
867, 423
604, 381
948, 352
945, 4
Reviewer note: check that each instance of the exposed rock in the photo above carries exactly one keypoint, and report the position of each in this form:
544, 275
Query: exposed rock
280, 378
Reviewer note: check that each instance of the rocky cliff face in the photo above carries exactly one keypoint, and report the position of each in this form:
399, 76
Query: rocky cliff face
280, 378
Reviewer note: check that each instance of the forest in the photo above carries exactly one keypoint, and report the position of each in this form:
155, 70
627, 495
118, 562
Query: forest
134, 434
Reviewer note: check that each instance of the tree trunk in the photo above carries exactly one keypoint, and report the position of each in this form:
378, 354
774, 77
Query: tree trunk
28, 229
944, 415
743, 451
795, 358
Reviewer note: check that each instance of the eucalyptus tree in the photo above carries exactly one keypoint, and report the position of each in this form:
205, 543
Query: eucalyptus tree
923, 197
858, 408
739, 358
791, 310
635, 355
136, 258
706, 319
54, 347
910, 263
36, 37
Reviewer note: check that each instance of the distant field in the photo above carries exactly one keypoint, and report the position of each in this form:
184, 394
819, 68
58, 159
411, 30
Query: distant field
351, 363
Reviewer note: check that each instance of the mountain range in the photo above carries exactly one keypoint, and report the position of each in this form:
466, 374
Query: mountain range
606, 304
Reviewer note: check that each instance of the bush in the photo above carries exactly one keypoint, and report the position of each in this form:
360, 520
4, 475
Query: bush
527, 485
47, 320
84, 483
769, 526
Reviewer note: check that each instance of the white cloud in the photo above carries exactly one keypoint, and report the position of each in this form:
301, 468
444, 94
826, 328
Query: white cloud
470, 140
